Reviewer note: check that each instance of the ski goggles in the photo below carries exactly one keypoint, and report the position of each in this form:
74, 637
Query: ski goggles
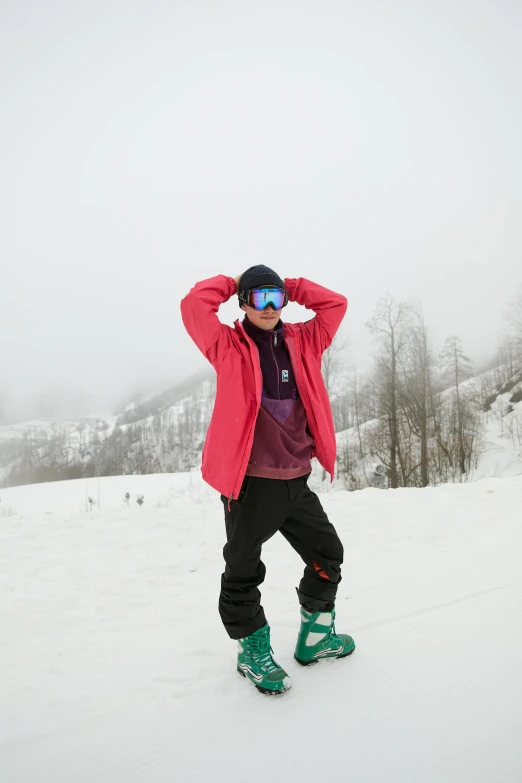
259, 298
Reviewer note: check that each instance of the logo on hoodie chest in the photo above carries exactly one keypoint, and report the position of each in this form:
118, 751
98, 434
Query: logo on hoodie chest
284, 376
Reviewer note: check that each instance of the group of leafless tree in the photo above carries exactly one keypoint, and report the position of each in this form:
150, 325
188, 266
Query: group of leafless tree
417, 413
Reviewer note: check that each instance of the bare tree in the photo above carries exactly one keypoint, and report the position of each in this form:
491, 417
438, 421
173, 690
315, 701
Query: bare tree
458, 366
416, 390
332, 361
388, 326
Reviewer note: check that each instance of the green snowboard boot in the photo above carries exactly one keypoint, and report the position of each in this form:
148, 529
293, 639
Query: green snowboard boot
317, 638
255, 661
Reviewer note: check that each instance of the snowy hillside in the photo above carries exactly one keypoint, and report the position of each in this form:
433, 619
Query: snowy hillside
502, 455
115, 667
163, 433
499, 424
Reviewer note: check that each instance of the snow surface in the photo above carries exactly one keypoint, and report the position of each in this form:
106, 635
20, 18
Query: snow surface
502, 455
114, 665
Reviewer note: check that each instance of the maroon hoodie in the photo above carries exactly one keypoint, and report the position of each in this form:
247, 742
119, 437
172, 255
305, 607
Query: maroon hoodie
282, 446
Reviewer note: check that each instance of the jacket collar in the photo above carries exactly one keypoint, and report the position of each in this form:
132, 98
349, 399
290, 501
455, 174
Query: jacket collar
263, 336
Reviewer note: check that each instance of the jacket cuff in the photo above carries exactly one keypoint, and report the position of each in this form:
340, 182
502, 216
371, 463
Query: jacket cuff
231, 286
290, 284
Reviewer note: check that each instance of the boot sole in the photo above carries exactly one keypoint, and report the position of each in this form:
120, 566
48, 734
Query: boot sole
265, 691
311, 663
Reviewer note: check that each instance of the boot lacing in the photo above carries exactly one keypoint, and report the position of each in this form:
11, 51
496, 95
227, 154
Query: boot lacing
258, 647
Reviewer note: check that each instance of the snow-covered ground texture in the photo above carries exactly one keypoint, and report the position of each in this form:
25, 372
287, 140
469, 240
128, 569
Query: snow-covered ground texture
114, 666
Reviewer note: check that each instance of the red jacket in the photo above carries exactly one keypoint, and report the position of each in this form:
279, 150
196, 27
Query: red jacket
235, 358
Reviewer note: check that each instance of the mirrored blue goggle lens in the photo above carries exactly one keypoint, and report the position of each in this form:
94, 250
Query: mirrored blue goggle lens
262, 297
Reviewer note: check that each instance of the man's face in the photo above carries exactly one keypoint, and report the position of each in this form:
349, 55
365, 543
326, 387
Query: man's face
265, 319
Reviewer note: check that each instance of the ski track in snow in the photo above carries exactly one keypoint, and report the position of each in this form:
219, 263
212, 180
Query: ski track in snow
114, 665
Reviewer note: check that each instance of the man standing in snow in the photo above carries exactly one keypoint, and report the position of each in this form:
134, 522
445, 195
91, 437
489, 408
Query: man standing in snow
271, 416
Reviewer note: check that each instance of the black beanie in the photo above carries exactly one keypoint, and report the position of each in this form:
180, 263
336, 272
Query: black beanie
257, 276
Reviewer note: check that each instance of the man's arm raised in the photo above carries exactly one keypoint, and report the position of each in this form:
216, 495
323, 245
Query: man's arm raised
328, 306
199, 313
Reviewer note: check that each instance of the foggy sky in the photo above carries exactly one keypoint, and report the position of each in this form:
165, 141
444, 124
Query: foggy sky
371, 147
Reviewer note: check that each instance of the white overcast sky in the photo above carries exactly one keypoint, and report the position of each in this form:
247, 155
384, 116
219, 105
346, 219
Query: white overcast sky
370, 146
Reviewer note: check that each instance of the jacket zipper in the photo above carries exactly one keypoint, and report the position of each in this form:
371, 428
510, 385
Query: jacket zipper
277, 366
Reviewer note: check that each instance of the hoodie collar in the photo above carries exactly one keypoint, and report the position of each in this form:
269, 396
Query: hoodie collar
261, 336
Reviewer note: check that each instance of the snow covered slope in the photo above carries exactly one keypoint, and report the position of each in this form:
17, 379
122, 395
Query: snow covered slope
502, 455
162, 433
114, 667
500, 435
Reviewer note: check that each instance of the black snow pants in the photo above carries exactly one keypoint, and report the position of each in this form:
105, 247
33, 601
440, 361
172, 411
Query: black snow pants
265, 506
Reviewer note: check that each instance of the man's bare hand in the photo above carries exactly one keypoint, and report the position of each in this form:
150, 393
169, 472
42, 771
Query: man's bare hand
236, 280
